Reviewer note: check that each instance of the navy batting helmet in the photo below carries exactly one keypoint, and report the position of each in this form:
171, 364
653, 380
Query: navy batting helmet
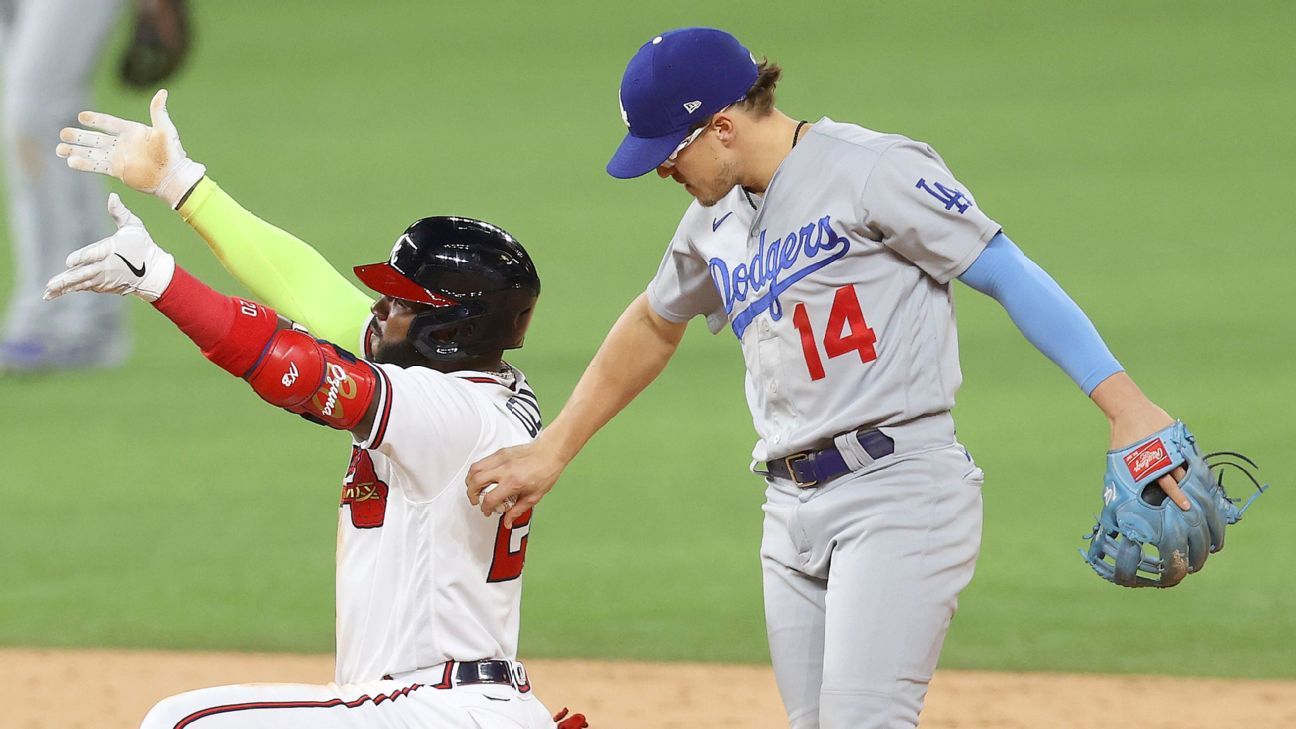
478, 280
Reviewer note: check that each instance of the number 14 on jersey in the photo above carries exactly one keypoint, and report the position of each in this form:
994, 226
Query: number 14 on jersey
846, 332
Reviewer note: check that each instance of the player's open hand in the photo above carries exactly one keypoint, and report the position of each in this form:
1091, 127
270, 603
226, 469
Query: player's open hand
512, 480
147, 158
126, 262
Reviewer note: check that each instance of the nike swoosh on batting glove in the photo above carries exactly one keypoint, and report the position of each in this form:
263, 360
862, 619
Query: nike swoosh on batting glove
127, 262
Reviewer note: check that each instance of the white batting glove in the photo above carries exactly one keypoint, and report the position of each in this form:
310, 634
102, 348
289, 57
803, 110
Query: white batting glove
127, 262
147, 158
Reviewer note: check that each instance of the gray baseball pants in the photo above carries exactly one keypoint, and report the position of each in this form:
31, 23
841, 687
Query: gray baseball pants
49, 50
862, 576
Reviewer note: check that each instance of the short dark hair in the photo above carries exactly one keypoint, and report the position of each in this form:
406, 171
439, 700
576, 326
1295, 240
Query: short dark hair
760, 97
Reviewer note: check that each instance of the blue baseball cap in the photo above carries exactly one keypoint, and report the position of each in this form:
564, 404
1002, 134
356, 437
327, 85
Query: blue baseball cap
674, 81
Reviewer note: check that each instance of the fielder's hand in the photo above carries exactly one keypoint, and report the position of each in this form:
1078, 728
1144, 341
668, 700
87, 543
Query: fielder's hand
127, 262
1133, 427
512, 480
147, 158
1133, 417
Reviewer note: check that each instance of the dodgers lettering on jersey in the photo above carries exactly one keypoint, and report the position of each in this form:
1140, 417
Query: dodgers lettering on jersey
837, 286
422, 576
762, 273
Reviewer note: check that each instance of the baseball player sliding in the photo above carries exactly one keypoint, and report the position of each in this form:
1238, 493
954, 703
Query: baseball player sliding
428, 593
828, 251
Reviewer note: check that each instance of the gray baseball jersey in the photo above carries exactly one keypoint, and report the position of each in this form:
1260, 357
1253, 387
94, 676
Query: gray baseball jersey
836, 282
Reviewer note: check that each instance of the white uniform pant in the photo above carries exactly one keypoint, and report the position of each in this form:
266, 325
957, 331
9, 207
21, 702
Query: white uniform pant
862, 576
49, 50
399, 704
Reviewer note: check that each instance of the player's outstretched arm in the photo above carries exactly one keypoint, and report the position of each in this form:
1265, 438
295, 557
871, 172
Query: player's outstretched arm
276, 266
635, 351
285, 366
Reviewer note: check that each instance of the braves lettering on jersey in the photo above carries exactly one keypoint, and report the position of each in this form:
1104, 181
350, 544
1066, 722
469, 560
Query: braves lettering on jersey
836, 285
422, 577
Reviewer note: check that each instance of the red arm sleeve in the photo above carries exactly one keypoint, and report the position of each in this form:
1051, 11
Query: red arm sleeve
231, 332
286, 367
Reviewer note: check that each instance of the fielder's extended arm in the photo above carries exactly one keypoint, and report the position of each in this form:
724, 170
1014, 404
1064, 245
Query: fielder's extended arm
634, 353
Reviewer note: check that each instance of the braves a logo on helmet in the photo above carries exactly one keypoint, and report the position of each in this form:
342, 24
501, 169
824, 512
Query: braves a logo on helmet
1147, 458
363, 492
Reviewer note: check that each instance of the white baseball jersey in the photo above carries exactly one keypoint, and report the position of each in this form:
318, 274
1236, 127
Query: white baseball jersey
836, 282
422, 576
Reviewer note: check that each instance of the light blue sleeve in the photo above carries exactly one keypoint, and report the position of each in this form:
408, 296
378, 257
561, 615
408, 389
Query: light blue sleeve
1043, 312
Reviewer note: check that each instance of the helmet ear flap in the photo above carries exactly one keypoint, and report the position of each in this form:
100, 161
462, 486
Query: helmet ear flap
440, 333
422, 338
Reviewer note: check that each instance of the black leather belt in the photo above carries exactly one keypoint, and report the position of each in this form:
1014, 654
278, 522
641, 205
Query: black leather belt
466, 673
808, 469
483, 672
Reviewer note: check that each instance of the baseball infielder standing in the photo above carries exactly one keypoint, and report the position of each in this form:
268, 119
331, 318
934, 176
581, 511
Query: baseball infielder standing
428, 594
828, 251
48, 52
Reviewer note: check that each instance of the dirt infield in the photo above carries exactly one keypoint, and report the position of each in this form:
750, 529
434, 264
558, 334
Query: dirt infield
115, 688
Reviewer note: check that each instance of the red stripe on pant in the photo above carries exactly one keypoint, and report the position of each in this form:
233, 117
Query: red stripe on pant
330, 704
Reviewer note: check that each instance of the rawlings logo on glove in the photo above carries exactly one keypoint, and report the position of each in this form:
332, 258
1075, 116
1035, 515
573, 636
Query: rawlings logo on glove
1144, 540
1149, 457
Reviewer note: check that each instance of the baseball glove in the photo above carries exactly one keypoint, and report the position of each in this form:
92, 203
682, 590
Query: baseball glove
158, 45
1144, 540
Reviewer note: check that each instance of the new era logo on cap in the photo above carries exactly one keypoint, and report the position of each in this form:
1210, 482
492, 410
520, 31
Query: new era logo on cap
674, 80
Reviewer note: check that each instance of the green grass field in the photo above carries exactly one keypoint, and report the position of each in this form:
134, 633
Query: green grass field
1141, 152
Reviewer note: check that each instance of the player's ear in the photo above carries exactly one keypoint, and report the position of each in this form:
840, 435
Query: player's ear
724, 128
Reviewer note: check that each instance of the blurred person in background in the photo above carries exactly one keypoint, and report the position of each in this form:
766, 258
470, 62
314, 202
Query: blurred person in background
49, 50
